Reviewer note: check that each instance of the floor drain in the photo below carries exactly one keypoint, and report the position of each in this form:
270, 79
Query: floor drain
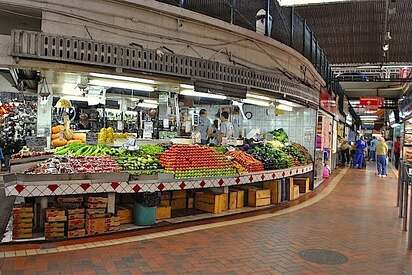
323, 256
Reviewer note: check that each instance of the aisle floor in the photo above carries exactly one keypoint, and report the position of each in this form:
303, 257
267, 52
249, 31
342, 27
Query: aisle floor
358, 219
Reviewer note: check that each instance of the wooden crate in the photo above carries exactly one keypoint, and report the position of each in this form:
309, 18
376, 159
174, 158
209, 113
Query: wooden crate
303, 184
258, 197
275, 189
180, 194
163, 212
232, 200
295, 192
179, 203
211, 202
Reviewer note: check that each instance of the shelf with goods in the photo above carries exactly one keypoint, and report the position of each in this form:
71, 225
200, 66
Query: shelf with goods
407, 141
69, 179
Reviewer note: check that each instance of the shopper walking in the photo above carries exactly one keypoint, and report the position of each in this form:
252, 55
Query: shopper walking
390, 147
345, 152
381, 155
360, 153
372, 149
397, 151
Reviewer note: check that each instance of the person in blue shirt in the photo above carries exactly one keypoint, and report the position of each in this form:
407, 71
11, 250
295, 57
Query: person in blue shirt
372, 149
360, 153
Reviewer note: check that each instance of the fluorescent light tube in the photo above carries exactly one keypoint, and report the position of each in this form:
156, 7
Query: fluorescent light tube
122, 85
206, 95
255, 96
151, 101
147, 105
186, 86
287, 103
125, 78
256, 102
284, 107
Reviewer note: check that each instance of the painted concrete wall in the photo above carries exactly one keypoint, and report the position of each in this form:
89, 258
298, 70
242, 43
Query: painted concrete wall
152, 25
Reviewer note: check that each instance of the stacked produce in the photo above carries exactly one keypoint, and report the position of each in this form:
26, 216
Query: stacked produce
71, 165
26, 153
247, 161
272, 158
280, 135
299, 153
193, 161
143, 161
78, 149
62, 135
6, 108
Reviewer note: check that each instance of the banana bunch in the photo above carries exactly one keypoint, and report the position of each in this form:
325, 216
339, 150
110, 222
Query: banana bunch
106, 135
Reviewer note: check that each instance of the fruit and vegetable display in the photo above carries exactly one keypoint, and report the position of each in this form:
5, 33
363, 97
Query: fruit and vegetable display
151, 149
71, 165
78, 149
299, 153
247, 161
272, 158
280, 135
108, 135
194, 161
62, 135
26, 153
139, 163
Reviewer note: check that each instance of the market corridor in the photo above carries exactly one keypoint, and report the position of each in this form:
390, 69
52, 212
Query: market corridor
358, 219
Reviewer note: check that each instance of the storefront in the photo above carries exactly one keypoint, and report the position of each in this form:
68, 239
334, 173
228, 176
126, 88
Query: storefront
113, 152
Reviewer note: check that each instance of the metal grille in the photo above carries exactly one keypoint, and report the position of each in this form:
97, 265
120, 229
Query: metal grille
53, 47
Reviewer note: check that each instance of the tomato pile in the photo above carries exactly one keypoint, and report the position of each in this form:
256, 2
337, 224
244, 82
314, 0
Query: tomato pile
194, 161
247, 161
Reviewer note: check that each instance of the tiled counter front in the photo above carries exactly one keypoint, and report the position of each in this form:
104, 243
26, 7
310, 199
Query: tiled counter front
46, 188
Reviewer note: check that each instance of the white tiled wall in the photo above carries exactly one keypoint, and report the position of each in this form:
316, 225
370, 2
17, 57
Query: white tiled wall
298, 124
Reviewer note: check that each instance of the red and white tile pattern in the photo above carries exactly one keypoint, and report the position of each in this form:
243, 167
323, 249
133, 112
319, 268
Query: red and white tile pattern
39, 189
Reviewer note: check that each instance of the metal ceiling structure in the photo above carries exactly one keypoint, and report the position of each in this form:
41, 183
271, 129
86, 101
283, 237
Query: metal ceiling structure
356, 31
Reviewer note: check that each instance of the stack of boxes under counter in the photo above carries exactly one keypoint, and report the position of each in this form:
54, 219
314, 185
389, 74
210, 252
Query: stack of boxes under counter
22, 221
75, 215
54, 227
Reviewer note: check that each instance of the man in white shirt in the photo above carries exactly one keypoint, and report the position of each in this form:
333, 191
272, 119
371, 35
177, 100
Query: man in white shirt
226, 127
204, 125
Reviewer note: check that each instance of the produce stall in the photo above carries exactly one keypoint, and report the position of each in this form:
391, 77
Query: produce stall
144, 160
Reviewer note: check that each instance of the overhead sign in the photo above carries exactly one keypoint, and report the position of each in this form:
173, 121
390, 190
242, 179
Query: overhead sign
370, 102
327, 102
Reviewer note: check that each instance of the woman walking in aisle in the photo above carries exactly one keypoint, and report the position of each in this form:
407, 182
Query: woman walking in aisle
381, 157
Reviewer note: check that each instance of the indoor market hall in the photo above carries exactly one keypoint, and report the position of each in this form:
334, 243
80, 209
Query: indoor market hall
205, 137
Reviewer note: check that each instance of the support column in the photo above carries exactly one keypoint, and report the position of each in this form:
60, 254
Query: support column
44, 110
111, 208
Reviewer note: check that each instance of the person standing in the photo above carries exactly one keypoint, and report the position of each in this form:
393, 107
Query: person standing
204, 125
390, 145
345, 151
381, 155
226, 127
372, 149
397, 151
360, 153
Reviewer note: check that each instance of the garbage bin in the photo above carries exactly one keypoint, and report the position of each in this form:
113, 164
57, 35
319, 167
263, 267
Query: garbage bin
144, 215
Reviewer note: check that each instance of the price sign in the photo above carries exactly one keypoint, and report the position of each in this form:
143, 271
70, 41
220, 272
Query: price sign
91, 138
36, 143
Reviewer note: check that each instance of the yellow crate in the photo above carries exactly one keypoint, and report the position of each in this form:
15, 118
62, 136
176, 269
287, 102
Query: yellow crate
163, 212
258, 197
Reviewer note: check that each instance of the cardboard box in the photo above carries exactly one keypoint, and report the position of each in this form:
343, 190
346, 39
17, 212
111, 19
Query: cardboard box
21, 230
211, 202
22, 235
75, 216
190, 203
97, 200
93, 205
76, 233
303, 184
179, 203
274, 187
19, 209
76, 224
180, 194
232, 200
70, 199
75, 211
295, 192
125, 215
17, 220
163, 212
22, 215
55, 215
259, 197
96, 211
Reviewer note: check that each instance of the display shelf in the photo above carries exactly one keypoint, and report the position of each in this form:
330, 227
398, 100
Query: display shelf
22, 188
